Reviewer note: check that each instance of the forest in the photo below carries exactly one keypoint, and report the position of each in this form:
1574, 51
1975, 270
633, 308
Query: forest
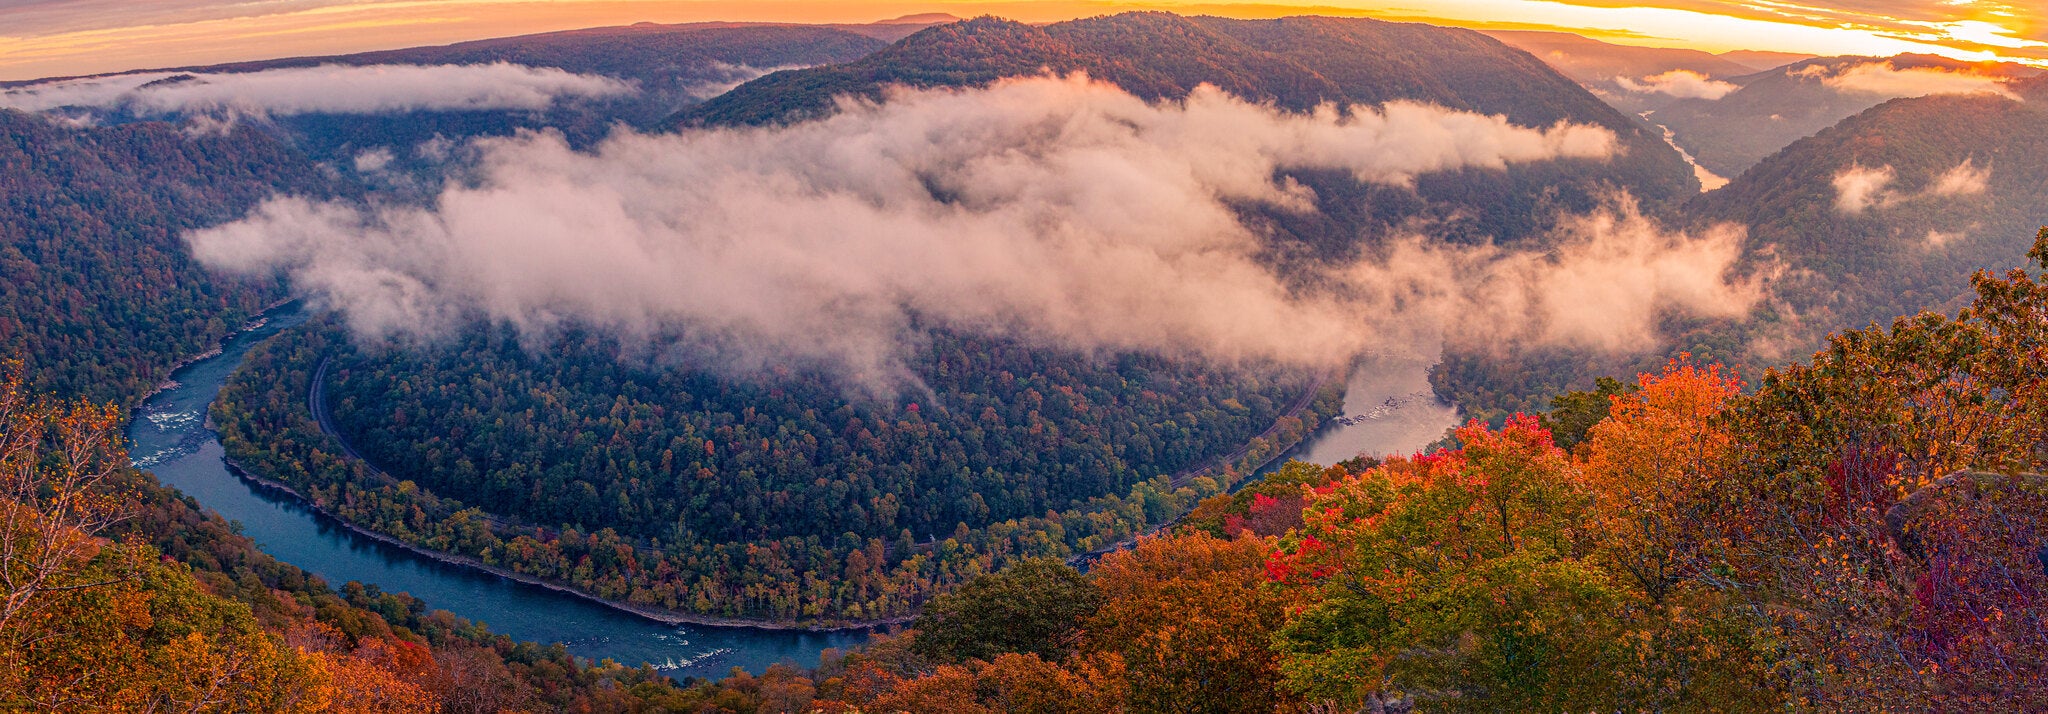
98, 296
784, 500
1861, 531
119, 594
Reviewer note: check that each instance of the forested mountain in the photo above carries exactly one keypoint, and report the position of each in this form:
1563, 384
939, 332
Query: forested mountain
1295, 63
779, 499
1633, 79
1859, 532
670, 66
718, 496
1730, 134
1886, 212
1883, 214
98, 295
655, 70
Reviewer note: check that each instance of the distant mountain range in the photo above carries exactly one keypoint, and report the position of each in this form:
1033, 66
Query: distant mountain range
1295, 63
1772, 109
1624, 75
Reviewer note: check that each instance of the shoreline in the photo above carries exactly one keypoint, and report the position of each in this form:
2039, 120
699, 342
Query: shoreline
314, 403
261, 318
666, 617
1083, 560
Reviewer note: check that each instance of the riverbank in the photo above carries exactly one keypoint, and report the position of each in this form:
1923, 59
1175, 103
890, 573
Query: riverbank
1238, 465
666, 617
1235, 462
169, 384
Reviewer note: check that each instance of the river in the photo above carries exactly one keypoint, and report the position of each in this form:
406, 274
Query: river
1392, 412
169, 436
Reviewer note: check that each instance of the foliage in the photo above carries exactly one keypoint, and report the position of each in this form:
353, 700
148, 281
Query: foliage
1035, 606
1573, 414
784, 500
98, 296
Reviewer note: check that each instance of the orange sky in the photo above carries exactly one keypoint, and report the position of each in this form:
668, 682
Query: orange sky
41, 38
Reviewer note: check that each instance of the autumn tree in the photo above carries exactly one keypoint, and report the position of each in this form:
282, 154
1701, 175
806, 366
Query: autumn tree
1834, 450
1190, 617
1461, 577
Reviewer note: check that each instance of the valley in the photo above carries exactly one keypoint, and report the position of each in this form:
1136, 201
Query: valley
1127, 363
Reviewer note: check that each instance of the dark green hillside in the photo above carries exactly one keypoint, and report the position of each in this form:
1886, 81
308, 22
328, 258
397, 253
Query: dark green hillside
98, 294
1295, 63
778, 498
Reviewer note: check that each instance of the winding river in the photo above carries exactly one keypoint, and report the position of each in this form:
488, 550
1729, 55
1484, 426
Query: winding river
170, 437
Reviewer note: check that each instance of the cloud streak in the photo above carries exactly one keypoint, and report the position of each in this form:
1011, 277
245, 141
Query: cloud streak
325, 89
1882, 78
1679, 83
1860, 188
1060, 211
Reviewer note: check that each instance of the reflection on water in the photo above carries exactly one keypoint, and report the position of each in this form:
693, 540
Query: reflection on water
1389, 409
170, 437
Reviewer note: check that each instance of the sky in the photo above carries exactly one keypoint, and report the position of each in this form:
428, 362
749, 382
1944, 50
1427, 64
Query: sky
47, 38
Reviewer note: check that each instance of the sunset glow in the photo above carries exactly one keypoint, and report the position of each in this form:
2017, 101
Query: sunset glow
70, 37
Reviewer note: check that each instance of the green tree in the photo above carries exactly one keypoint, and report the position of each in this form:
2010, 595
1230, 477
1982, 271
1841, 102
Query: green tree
1033, 607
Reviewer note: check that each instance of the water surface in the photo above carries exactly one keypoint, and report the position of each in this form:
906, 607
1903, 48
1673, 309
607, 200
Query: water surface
170, 437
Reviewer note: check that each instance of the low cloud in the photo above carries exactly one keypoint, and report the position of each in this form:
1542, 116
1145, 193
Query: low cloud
1963, 180
326, 89
1882, 78
724, 77
1680, 83
1060, 211
1860, 188
374, 160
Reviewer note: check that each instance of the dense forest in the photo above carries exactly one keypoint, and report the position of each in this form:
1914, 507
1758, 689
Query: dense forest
119, 594
784, 499
98, 295
1954, 179
1858, 533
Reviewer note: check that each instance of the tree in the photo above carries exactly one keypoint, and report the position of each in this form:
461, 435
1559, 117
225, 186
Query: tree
1652, 465
53, 461
1461, 576
1573, 414
1035, 606
1190, 616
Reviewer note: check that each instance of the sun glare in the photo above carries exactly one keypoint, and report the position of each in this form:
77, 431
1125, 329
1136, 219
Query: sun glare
48, 42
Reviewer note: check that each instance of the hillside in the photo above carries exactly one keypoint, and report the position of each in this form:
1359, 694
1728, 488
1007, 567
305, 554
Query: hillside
1624, 75
98, 296
1730, 134
1295, 63
1831, 540
1912, 239
1884, 214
